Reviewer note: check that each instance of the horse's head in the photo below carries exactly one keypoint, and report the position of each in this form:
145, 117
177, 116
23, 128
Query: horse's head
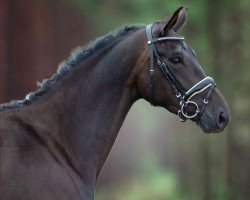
170, 76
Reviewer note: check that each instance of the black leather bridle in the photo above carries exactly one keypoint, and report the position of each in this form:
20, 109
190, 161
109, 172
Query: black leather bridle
183, 96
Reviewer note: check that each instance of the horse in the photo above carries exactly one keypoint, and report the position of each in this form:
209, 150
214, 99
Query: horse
54, 143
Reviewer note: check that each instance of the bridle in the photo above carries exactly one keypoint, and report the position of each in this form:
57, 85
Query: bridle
184, 97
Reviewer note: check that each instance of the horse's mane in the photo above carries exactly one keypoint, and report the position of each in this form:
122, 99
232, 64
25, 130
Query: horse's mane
77, 56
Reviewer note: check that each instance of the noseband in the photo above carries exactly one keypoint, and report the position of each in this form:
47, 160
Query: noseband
184, 97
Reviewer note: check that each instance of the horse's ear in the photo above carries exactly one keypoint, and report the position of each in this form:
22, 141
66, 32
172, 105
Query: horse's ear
174, 22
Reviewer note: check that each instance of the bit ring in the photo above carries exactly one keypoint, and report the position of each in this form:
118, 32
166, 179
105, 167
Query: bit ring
185, 114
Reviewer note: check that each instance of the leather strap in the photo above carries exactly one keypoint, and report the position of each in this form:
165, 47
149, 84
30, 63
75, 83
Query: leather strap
182, 95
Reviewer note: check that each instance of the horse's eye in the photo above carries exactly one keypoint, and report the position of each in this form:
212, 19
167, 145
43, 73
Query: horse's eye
176, 60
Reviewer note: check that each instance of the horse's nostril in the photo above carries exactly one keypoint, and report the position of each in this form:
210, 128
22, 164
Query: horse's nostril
222, 119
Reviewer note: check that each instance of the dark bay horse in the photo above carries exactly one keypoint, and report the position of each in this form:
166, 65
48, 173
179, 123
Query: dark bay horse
54, 143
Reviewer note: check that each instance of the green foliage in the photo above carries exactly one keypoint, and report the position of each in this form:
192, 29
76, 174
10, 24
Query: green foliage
153, 183
114, 13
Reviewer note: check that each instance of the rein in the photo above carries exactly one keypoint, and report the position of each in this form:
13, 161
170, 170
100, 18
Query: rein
184, 97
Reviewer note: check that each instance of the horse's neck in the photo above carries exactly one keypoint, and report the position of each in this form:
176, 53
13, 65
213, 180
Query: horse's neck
91, 104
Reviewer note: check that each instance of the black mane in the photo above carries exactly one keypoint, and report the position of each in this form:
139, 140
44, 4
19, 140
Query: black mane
77, 56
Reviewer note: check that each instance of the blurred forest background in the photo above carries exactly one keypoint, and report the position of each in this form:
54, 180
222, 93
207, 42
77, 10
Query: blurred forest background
155, 156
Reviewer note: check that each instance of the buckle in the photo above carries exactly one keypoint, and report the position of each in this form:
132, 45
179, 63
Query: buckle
178, 95
205, 101
151, 72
